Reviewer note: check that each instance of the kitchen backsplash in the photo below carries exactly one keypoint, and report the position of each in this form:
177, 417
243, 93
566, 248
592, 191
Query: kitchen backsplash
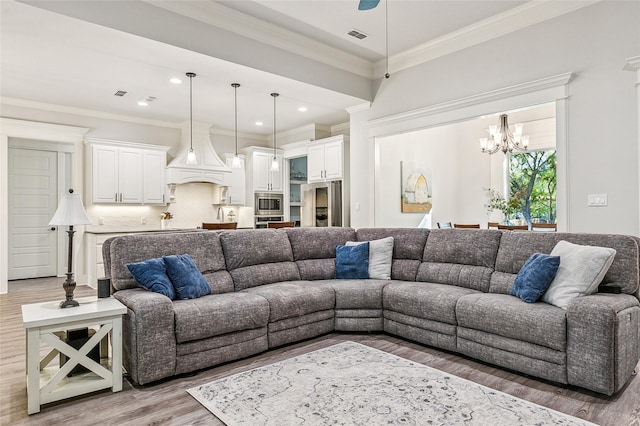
192, 207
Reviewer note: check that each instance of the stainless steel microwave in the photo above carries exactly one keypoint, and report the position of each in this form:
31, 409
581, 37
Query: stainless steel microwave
267, 203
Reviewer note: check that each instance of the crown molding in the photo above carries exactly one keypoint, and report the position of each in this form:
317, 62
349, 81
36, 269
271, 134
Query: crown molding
85, 112
360, 107
254, 136
556, 81
515, 19
220, 16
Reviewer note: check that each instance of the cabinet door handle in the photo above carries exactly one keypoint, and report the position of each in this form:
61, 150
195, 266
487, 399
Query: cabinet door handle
116, 200
163, 198
121, 197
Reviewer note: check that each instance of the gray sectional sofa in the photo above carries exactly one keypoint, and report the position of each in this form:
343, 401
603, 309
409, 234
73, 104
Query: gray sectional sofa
448, 289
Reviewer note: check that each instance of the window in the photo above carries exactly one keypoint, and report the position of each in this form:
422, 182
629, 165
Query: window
532, 185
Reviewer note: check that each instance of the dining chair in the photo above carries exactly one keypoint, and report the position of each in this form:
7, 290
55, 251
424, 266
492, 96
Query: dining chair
220, 225
514, 227
444, 225
463, 225
492, 225
281, 224
544, 227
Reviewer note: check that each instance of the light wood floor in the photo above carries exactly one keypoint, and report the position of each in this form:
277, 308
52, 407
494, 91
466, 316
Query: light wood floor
167, 402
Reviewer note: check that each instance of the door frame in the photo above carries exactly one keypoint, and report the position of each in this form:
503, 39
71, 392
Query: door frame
68, 138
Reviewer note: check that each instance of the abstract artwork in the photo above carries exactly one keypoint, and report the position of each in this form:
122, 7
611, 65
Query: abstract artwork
415, 188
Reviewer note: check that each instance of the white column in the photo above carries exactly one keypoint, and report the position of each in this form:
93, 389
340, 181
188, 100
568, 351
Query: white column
634, 65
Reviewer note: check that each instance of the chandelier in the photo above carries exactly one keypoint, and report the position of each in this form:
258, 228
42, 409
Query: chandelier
503, 139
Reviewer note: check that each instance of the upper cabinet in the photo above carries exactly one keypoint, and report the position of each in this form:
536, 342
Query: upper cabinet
325, 160
235, 182
127, 173
260, 178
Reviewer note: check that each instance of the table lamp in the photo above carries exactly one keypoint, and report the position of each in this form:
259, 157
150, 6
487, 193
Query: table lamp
70, 212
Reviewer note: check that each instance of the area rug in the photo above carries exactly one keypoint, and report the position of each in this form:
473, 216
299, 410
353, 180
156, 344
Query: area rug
353, 384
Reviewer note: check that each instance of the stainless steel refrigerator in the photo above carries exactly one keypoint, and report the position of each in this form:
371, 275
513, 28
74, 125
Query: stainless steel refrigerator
321, 204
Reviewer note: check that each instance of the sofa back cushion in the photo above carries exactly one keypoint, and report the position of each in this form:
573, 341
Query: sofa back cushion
516, 247
314, 250
462, 257
203, 247
258, 257
408, 248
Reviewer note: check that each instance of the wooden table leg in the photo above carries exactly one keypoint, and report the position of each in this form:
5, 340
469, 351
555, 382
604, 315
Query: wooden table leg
33, 370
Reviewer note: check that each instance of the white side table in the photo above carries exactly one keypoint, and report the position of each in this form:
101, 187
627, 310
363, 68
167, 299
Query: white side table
47, 323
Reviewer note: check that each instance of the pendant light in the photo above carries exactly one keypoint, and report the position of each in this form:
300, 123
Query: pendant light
235, 163
386, 38
191, 156
275, 167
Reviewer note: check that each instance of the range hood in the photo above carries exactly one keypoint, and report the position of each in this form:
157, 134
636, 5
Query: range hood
210, 168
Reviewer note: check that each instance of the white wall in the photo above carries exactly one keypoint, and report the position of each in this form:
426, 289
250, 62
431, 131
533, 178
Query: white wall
593, 43
459, 171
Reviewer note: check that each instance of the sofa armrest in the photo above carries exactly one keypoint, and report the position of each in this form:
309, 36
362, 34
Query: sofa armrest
148, 335
603, 341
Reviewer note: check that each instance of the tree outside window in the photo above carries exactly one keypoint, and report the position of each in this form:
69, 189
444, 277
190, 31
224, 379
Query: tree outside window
532, 185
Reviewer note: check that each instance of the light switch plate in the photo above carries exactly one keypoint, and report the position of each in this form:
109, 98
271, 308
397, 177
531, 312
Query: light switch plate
597, 200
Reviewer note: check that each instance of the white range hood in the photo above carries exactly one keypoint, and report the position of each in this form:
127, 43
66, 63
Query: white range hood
210, 167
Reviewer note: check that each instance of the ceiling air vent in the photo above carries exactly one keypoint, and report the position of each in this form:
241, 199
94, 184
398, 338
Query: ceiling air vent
120, 93
357, 34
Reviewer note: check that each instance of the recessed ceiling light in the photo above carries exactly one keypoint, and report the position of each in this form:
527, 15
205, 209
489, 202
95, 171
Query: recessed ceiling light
259, 123
143, 103
175, 80
302, 109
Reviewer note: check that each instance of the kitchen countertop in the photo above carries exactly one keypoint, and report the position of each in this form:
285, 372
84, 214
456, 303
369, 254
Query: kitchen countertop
102, 229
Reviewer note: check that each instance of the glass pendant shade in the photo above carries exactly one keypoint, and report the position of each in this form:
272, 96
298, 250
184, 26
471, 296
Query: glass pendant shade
275, 166
235, 162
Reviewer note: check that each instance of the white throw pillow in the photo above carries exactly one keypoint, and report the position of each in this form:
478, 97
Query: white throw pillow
581, 270
380, 257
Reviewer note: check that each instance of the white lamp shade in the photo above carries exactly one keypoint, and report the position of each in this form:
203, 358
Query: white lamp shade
70, 211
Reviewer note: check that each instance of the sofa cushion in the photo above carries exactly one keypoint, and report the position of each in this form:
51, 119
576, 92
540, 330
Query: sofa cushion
185, 277
358, 294
380, 257
508, 316
352, 262
318, 243
461, 257
152, 275
203, 247
516, 247
535, 276
260, 257
219, 314
408, 248
424, 300
314, 250
295, 298
581, 271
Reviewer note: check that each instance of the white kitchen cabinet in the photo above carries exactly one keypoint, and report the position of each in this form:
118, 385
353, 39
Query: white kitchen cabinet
263, 179
325, 160
235, 182
154, 186
127, 173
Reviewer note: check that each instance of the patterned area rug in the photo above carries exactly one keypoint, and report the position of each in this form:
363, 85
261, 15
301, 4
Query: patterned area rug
352, 384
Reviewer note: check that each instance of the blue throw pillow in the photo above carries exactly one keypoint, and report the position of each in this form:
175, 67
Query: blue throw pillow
152, 275
186, 278
352, 262
535, 277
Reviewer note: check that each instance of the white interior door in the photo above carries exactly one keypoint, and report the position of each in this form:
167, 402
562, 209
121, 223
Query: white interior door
33, 177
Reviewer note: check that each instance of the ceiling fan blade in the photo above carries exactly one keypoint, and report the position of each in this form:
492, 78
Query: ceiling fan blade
367, 4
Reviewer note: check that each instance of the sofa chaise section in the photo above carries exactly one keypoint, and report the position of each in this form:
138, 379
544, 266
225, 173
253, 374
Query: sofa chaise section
592, 344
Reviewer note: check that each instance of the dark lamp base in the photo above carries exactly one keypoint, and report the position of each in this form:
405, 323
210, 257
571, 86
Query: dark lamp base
69, 304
